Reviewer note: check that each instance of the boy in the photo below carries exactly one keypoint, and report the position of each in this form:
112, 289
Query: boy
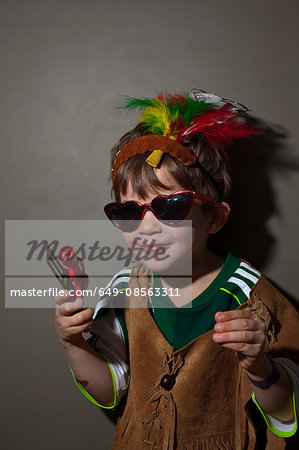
197, 377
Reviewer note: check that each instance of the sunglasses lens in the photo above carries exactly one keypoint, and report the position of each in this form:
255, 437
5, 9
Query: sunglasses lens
125, 215
172, 209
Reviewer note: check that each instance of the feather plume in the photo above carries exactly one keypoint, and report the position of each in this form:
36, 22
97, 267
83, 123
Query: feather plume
181, 116
167, 114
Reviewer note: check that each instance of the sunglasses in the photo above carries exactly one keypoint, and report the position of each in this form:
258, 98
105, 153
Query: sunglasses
169, 209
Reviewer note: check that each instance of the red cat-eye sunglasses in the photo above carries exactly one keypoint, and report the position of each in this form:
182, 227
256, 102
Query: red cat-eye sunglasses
169, 209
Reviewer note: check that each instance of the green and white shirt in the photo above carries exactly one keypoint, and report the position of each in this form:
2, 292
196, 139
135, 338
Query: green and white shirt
180, 326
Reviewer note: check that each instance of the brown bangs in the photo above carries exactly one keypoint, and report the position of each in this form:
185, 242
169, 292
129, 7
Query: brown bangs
143, 178
139, 174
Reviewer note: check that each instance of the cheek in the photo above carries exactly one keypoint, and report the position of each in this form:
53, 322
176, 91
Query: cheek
128, 238
182, 236
132, 239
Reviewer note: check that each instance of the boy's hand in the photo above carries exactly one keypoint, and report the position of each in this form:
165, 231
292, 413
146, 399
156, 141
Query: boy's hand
244, 333
70, 320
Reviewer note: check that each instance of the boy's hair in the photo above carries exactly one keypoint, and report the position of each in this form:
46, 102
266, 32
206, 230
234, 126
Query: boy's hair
209, 176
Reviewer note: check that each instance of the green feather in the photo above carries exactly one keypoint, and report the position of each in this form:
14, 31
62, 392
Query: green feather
180, 110
131, 103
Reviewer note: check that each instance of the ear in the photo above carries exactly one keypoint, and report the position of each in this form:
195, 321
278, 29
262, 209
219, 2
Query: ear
219, 216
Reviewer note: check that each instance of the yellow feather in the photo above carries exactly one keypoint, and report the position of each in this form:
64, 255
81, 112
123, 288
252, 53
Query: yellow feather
161, 115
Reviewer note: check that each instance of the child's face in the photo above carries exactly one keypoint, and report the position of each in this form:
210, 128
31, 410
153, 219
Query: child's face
182, 243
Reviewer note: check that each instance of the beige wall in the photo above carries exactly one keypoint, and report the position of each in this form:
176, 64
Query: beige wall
64, 65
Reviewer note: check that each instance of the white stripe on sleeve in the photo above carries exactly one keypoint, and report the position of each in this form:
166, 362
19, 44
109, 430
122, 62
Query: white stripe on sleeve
108, 339
251, 269
245, 288
247, 275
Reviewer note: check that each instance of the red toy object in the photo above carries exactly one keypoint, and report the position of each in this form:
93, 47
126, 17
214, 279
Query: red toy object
74, 268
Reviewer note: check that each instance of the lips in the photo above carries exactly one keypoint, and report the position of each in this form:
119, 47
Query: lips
153, 248
155, 245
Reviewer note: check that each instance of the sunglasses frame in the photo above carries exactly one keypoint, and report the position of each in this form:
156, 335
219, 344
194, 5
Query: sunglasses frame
148, 207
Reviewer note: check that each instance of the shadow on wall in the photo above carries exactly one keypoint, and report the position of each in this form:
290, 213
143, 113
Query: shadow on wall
254, 162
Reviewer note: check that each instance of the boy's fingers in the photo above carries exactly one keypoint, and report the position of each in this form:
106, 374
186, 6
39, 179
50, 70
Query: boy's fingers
71, 305
239, 324
240, 337
81, 318
234, 314
62, 298
80, 328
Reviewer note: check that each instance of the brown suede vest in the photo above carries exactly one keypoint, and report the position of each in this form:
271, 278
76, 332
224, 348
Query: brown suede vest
207, 406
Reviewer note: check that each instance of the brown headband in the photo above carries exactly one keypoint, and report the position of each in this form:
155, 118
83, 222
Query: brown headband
158, 145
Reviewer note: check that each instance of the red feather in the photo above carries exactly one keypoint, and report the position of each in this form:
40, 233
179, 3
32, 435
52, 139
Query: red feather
219, 127
173, 99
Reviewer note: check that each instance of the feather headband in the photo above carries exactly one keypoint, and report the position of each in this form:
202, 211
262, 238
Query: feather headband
173, 119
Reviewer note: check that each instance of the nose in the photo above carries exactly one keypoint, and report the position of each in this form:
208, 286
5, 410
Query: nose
149, 224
